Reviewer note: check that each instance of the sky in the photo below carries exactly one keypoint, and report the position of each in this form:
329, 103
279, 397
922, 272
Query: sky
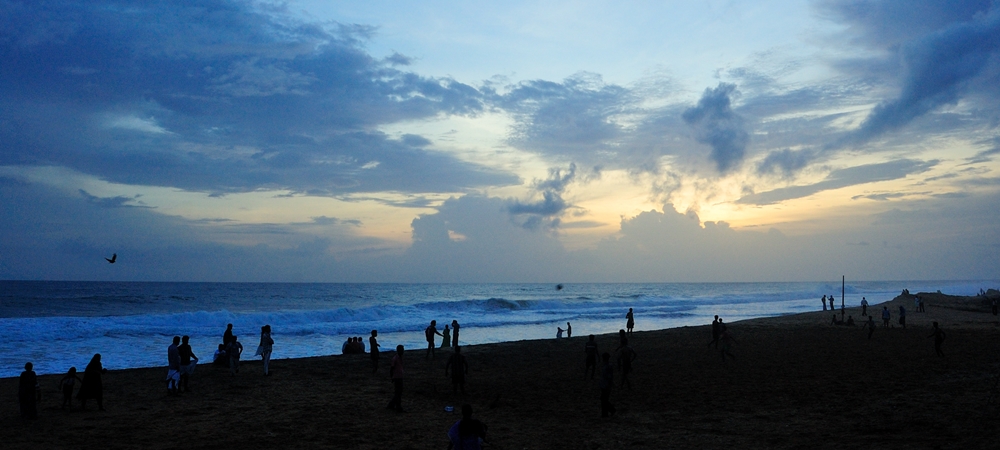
448, 141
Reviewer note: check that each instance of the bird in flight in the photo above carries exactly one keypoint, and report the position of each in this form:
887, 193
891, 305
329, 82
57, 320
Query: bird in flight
112, 259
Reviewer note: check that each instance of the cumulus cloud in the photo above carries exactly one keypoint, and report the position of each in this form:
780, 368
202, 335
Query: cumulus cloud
551, 205
717, 125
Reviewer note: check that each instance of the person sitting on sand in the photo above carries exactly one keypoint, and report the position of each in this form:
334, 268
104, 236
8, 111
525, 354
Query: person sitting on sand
468, 433
835, 321
850, 321
559, 332
66, 385
220, 358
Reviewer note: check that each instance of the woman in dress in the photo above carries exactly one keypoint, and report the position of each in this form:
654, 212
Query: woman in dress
92, 387
264, 349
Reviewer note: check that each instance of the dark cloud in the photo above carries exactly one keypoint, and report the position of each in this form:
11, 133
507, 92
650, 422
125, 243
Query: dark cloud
113, 202
551, 205
945, 52
785, 162
573, 118
842, 178
219, 97
716, 124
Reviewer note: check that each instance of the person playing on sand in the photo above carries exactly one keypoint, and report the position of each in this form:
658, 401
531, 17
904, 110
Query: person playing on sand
265, 347
938, 335
66, 385
559, 332
625, 357
459, 369
607, 381
727, 343
591, 364
429, 333
28, 393
630, 321
373, 343
92, 387
235, 350
885, 317
396, 374
173, 366
468, 433
871, 326
715, 332
188, 362
446, 340
864, 307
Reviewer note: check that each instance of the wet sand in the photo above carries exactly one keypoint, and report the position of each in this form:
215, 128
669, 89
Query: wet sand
797, 382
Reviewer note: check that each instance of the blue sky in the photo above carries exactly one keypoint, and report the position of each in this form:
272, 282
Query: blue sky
517, 141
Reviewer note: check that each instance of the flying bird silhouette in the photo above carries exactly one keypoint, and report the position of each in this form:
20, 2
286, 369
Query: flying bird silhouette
113, 258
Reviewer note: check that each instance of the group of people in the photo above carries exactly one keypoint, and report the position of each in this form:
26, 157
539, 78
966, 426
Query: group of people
353, 346
29, 392
449, 338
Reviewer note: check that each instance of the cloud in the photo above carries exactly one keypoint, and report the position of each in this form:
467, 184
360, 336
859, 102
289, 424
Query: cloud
946, 52
112, 202
227, 97
716, 124
785, 162
551, 204
841, 178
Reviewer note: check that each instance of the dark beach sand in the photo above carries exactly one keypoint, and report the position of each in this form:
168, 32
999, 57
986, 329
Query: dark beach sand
797, 382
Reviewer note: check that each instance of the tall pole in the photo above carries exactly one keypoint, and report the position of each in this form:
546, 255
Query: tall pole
842, 282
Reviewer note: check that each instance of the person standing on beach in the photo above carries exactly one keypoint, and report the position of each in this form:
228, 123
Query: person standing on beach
938, 335
591, 364
459, 369
66, 384
871, 326
831, 304
235, 350
885, 317
625, 357
373, 342
902, 316
630, 321
569, 330
265, 347
715, 332
446, 340
396, 374
454, 332
227, 337
864, 307
28, 393
92, 387
429, 333
173, 366
188, 362
823, 301
607, 381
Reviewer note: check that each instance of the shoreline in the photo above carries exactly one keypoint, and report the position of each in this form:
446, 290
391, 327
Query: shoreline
796, 380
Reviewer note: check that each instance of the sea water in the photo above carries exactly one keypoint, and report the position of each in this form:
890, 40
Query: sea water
56, 324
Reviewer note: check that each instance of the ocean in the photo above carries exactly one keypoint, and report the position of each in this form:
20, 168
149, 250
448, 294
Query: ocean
58, 324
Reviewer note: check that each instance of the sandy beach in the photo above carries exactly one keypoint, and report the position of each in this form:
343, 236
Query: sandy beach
797, 382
